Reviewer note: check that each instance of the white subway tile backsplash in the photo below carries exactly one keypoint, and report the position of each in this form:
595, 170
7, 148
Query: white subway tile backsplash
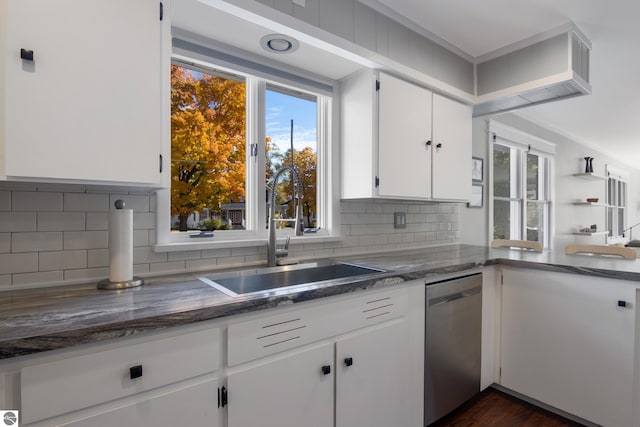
144, 220
82, 202
17, 221
5, 280
147, 255
97, 221
201, 264
36, 242
19, 263
42, 278
97, 258
137, 203
62, 260
86, 274
5, 243
5, 201
86, 240
141, 238
165, 267
183, 256
61, 221
27, 201
61, 234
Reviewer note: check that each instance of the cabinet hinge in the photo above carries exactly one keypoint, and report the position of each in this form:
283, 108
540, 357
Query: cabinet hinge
501, 278
160, 163
161, 11
377, 181
377, 85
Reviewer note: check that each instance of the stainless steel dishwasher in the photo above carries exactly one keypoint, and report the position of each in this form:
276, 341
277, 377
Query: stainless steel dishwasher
452, 344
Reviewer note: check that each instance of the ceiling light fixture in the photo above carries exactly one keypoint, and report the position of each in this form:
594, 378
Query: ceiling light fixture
279, 43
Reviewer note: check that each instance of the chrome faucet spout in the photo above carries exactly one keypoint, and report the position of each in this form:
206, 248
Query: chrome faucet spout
271, 248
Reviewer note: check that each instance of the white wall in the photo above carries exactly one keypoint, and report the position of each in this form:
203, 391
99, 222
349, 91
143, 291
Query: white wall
567, 188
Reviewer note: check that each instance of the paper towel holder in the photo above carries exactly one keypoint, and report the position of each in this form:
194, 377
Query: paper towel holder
123, 284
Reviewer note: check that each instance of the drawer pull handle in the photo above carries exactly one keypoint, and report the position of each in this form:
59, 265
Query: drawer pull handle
135, 372
326, 369
26, 54
348, 361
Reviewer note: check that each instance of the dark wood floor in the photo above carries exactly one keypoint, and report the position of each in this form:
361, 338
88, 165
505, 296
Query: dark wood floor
493, 408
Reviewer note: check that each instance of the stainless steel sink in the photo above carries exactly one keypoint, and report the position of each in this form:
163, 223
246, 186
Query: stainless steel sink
277, 278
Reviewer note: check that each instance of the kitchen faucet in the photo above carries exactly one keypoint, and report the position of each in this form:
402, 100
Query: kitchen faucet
272, 252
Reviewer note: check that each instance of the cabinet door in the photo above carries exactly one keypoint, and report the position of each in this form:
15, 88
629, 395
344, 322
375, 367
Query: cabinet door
286, 391
567, 343
404, 158
193, 405
451, 149
373, 377
88, 107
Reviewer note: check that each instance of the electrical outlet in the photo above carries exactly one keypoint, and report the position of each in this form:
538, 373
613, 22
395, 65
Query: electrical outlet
399, 220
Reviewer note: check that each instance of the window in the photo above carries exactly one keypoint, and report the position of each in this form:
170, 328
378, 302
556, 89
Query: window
230, 133
616, 203
521, 189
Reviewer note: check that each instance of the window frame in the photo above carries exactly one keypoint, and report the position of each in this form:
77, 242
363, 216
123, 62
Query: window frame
615, 204
523, 144
257, 81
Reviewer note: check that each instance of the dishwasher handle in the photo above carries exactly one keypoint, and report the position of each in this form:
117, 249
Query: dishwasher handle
455, 296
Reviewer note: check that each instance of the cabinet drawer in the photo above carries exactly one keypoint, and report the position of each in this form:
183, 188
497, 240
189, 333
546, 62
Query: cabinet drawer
285, 330
61, 386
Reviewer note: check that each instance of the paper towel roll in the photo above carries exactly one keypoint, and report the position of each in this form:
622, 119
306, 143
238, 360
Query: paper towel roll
120, 245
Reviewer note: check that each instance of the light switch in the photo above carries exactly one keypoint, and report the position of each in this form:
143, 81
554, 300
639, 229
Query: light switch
399, 220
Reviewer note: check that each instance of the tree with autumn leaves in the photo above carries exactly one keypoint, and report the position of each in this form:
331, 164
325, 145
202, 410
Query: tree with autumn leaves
208, 147
208, 132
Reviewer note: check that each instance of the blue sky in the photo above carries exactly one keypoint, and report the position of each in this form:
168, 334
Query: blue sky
280, 110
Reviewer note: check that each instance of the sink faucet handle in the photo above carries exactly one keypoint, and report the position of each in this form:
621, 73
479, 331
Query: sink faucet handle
286, 243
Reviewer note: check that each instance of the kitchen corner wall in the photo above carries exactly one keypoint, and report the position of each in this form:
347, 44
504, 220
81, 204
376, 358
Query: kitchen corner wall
53, 234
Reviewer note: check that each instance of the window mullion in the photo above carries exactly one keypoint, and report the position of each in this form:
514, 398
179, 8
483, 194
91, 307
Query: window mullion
256, 211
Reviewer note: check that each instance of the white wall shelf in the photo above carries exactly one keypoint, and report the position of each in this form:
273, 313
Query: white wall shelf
590, 204
595, 233
590, 176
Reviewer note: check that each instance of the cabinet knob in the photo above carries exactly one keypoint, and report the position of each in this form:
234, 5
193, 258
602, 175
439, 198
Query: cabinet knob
135, 371
26, 54
326, 369
438, 145
348, 361
428, 143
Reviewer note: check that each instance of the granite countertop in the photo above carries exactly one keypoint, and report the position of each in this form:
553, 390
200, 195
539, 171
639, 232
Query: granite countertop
33, 321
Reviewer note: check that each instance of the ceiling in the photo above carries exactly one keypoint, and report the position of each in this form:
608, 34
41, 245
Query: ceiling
608, 119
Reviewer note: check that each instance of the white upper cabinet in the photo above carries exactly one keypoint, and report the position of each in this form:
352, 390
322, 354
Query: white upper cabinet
451, 149
400, 140
403, 138
88, 106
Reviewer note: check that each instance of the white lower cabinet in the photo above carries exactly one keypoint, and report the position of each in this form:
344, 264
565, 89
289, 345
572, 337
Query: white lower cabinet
372, 374
190, 405
365, 368
136, 383
286, 391
364, 373
345, 361
568, 341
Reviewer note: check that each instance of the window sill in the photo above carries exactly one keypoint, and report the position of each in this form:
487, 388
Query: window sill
217, 243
